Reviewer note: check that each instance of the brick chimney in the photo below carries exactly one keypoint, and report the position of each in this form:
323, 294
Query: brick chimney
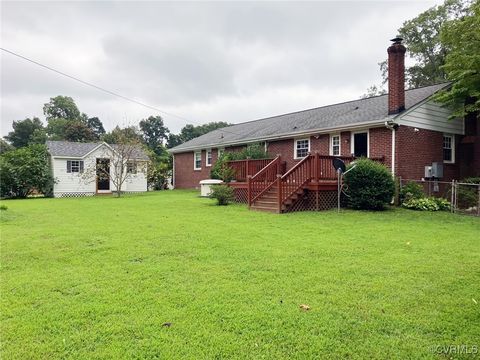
396, 76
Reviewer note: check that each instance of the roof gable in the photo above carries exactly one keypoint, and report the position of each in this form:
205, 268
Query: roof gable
81, 150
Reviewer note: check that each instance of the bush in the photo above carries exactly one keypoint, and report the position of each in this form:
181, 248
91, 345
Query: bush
427, 204
3, 207
221, 170
467, 195
411, 190
222, 193
370, 185
24, 171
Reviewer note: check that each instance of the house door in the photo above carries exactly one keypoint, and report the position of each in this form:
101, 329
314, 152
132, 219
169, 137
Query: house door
103, 177
360, 144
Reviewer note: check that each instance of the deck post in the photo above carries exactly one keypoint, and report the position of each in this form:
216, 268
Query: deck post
279, 192
249, 190
247, 168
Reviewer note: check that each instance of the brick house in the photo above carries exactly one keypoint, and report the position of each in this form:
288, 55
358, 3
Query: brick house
405, 129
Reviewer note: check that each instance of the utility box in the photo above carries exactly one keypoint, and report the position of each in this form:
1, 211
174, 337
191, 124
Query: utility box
205, 186
437, 170
428, 172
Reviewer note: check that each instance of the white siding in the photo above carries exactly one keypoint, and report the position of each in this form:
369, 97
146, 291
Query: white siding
432, 116
85, 183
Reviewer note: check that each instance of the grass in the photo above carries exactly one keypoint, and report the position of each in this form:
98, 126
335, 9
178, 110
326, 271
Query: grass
98, 278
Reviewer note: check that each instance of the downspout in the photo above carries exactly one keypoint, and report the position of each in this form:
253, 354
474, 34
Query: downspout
390, 124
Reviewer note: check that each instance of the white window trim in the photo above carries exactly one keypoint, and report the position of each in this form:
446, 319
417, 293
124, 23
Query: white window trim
195, 160
76, 166
451, 136
339, 144
352, 141
206, 157
295, 147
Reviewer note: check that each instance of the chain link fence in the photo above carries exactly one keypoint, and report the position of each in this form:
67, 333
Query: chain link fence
464, 197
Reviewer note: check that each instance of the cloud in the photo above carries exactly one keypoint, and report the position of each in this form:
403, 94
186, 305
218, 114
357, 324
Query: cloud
232, 61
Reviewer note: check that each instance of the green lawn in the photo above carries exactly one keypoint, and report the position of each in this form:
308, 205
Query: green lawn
98, 277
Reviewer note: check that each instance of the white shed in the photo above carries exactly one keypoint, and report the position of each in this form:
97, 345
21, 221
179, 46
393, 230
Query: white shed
80, 169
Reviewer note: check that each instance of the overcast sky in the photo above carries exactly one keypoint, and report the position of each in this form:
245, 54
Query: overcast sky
217, 61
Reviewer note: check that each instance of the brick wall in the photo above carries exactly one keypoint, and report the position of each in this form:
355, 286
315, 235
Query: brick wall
381, 144
185, 176
416, 149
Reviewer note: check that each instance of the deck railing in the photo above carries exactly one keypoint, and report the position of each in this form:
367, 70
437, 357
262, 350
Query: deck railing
314, 168
247, 167
264, 179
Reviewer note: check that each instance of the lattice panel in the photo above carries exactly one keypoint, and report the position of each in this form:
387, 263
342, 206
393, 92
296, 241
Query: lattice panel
241, 195
315, 201
74, 194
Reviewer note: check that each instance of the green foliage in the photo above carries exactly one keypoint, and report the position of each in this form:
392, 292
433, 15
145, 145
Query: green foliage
370, 185
221, 170
26, 132
61, 107
462, 66
159, 169
24, 171
154, 133
4, 146
96, 126
189, 132
411, 190
3, 207
467, 195
222, 193
427, 204
119, 135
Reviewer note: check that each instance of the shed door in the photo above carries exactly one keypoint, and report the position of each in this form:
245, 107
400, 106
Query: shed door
103, 171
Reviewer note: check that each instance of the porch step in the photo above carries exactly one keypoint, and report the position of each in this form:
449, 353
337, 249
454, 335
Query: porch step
264, 208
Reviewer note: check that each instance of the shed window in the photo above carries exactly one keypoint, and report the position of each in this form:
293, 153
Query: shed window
448, 148
74, 166
335, 145
197, 162
131, 167
302, 147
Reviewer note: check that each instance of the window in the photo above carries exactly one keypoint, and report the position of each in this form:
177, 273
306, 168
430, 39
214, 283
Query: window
448, 148
197, 160
131, 167
302, 147
208, 160
335, 145
360, 144
74, 166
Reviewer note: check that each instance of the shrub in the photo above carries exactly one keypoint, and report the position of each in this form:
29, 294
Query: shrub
221, 170
222, 193
427, 204
370, 185
467, 195
24, 171
411, 190
3, 207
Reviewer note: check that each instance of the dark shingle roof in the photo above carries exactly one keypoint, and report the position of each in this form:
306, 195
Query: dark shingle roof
78, 149
370, 110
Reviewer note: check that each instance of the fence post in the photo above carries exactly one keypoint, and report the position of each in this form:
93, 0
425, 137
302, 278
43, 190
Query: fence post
478, 203
279, 192
249, 191
452, 198
247, 168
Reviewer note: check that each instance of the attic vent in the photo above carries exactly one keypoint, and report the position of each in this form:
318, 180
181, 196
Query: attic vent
294, 128
356, 108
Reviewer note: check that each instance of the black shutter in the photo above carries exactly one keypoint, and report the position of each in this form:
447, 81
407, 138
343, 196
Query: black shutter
69, 166
81, 166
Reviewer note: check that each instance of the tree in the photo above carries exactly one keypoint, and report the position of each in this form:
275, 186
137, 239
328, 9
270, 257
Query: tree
190, 132
118, 135
24, 171
61, 107
4, 146
79, 132
96, 126
373, 91
462, 65
124, 162
422, 39
154, 133
25, 132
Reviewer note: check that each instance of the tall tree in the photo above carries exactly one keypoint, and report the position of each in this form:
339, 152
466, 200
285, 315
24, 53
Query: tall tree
154, 133
61, 107
118, 135
422, 39
96, 126
25, 132
189, 132
461, 38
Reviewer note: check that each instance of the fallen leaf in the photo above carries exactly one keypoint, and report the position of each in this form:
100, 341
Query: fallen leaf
167, 324
475, 301
304, 307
